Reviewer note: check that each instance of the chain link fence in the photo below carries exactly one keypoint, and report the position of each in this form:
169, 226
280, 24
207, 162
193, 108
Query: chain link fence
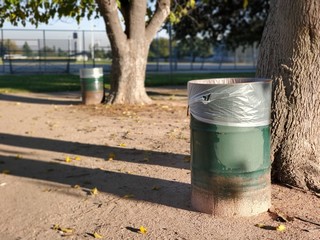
65, 51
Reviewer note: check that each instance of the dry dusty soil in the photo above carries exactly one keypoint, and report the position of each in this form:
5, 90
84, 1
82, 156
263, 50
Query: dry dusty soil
69, 171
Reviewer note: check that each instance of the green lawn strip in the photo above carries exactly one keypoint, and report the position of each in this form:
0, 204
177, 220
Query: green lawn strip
162, 79
69, 82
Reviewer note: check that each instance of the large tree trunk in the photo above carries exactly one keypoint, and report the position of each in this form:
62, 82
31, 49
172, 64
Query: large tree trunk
130, 46
128, 75
290, 55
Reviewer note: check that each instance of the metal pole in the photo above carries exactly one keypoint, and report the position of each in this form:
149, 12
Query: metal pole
2, 51
170, 50
44, 49
83, 48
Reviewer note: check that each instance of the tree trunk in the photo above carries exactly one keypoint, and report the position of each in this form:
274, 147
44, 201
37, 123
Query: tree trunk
130, 46
128, 75
290, 55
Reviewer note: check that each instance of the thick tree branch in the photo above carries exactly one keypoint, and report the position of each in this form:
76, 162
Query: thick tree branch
160, 15
137, 18
109, 11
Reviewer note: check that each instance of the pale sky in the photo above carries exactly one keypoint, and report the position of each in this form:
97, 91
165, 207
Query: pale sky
66, 24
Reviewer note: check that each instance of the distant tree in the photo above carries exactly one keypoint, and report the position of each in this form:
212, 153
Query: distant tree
99, 52
47, 51
231, 22
9, 47
159, 48
194, 47
62, 53
27, 51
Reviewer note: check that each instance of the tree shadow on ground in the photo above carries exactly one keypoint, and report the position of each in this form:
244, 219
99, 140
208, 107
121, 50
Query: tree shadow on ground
42, 100
97, 151
170, 193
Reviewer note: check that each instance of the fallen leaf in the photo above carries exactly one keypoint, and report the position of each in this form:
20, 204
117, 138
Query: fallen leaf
142, 230
187, 159
66, 230
55, 227
5, 171
260, 225
94, 191
122, 145
77, 158
97, 235
156, 188
76, 186
111, 156
128, 196
68, 159
62, 230
281, 228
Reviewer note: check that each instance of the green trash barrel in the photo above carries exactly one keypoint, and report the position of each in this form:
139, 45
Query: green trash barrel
92, 85
230, 145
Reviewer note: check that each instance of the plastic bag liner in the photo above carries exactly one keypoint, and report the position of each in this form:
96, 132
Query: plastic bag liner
239, 102
91, 72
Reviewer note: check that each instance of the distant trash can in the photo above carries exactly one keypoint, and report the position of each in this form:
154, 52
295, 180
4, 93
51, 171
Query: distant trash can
92, 85
230, 145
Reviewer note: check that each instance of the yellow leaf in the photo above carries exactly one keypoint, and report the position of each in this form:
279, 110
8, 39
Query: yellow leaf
128, 196
66, 230
18, 156
76, 186
187, 159
97, 235
281, 228
94, 191
122, 145
142, 230
77, 158
245, 3
156, 188
145, 159
260, 225
55, 227
68, 159
111, 156
5, 171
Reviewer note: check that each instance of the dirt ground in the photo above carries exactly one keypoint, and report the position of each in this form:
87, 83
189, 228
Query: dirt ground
69, 171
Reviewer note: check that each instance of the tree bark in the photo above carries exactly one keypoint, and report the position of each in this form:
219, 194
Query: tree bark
130, 47
290, 55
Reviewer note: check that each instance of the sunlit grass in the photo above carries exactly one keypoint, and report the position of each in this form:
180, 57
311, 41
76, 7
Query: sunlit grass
69, 82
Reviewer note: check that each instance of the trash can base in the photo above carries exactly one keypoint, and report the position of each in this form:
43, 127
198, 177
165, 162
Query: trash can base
92, 97
244, 205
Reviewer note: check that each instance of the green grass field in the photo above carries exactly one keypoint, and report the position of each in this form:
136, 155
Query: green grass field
69, 82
